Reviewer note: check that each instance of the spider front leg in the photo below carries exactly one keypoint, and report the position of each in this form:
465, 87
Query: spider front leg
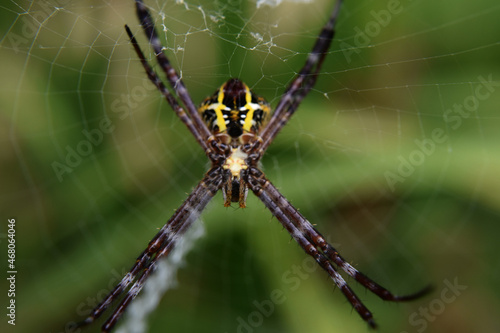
173, 77
153, 77
302, 83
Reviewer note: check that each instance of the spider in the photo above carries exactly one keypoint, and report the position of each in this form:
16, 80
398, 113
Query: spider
234, 127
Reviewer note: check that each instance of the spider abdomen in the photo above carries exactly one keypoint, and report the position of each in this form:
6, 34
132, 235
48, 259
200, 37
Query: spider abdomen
234, 110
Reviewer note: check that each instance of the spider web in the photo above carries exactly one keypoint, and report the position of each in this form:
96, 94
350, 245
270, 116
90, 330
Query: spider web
393, 156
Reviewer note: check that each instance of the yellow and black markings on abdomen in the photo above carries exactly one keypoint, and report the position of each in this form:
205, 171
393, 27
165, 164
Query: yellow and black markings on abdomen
234, 109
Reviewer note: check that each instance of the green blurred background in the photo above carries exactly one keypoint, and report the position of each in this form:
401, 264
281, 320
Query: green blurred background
67, 66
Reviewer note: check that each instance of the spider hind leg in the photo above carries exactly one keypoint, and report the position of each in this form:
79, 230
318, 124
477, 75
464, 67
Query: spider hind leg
315, 245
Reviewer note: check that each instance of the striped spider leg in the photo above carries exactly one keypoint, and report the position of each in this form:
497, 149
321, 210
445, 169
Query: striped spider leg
300, 86
171, 74
160, 246
234, 127
296, 224
315, 245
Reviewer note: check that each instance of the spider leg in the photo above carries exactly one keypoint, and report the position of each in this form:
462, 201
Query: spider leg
168, 96
160, 246
315, 245
301, 85
319, 241
173, 78
261, 187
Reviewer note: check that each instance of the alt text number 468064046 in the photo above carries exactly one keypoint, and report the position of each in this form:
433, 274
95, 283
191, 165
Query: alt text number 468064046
11, 270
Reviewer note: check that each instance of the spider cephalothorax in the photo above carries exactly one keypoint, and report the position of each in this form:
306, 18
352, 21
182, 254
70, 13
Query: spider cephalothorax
234, 128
